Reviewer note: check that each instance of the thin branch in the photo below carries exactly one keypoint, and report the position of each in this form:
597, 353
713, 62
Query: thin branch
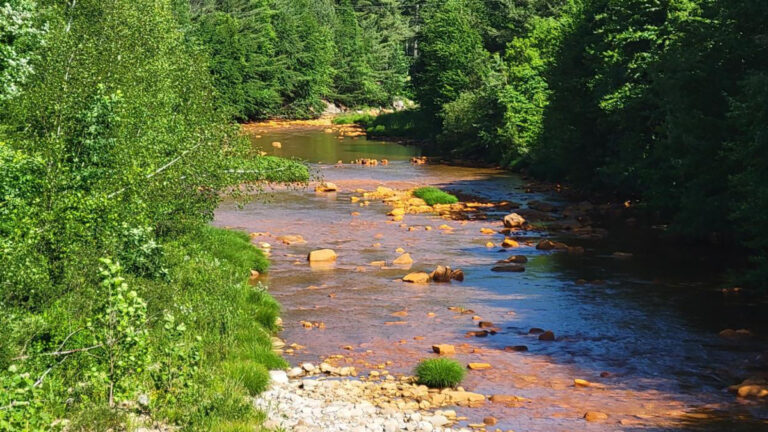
60, 353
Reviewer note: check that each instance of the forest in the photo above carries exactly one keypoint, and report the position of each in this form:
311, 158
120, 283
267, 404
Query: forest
119, 137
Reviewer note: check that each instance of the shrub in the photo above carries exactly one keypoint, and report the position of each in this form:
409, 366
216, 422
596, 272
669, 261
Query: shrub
253, 376
440, 373
434, 196
354, 118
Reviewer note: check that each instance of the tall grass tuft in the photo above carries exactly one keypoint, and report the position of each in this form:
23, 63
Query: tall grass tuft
440, 373
433, 195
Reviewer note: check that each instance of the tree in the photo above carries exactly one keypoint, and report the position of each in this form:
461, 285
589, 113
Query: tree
451, 55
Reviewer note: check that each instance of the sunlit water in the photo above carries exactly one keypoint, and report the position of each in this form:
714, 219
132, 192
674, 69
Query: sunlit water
652, 325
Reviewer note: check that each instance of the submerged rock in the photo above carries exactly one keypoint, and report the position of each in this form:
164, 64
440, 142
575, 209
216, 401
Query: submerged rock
403, 260
547, 336
417, 278
509, 268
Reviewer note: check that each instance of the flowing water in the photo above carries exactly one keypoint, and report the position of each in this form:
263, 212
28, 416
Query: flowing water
648, 335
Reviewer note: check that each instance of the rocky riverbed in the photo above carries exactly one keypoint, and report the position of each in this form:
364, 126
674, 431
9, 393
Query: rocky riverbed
566, 317
381, 404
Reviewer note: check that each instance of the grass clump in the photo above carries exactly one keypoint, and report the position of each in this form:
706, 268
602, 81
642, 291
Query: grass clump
440, 373
354, 118
433, 195
253, 376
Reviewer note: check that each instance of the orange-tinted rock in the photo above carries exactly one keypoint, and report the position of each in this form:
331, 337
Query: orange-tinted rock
516, 348
479, 366
441, 274
593, 416
581, 383
292, 239
444, 349
490, 421
403, 260
509, 243
506, 399
465, 398
485, 324
516, 259
480, 333
457, 275
417, 278
322, 255
326, 187
487, 231
735, 334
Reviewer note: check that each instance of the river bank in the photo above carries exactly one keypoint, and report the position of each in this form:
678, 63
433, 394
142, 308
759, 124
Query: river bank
605, 309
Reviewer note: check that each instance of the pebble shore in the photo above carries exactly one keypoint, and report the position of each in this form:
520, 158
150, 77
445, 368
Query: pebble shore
336, 405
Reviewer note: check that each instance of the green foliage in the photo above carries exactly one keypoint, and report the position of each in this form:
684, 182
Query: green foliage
21, 406
414, 124
21, 34
241, 45
120, 332
452, 56
114, 144
251, 375
439, 373
433, 195
354, 118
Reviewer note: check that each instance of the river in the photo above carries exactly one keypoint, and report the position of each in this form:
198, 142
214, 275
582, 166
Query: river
646, 334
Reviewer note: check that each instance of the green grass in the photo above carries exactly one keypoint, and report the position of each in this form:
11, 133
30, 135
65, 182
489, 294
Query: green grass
354, 118
433, 195
439, 373
254, 377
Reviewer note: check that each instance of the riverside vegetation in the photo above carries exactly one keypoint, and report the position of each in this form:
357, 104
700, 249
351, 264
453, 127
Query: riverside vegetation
120, 305
117, 142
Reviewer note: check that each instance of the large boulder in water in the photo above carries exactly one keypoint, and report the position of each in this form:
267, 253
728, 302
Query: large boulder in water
513, 220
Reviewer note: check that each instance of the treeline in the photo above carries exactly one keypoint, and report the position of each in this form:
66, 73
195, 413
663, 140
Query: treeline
119, 305
288, 58
661, 101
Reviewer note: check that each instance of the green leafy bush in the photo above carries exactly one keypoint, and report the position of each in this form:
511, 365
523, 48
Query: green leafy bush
433, 195
440, 373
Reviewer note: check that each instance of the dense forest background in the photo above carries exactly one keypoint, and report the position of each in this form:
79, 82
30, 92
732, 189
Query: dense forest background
662, 102
118, 132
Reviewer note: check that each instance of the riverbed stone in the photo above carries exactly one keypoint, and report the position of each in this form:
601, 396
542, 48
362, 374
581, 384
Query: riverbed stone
278, 377
444, 349
403, 260
508, 268
547, 336
322, 255
416, 278
513, 220
595, 416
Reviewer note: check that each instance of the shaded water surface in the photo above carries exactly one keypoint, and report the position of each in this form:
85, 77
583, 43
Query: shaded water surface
650, 329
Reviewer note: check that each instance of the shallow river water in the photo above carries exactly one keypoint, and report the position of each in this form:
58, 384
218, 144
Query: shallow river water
647, 336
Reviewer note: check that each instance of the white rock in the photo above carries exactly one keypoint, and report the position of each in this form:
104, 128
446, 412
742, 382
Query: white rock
278, 377
426, 427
